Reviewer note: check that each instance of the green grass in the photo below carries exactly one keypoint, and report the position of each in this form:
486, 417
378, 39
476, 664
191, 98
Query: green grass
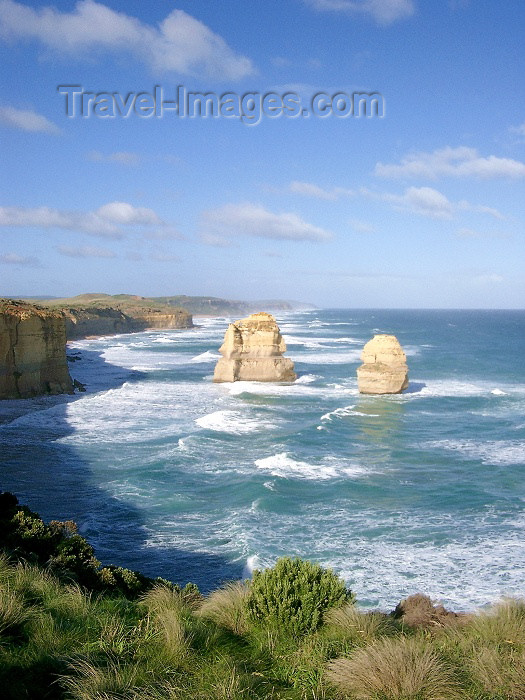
61, 640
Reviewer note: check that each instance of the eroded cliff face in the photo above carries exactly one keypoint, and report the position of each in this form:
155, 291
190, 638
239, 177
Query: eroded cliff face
91, 321
32, 351
384, 369
252, 351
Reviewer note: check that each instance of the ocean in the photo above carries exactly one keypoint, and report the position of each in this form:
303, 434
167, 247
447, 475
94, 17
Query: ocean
178, 477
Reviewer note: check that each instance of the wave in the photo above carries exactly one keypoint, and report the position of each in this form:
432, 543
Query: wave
284, 466
347, 411
233, 422
329, 358
306, 379
493, 452
207, 356
252, 563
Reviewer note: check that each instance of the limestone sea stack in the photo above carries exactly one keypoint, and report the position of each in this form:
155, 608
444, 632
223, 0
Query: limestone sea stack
32, 351
384, 369
253, 351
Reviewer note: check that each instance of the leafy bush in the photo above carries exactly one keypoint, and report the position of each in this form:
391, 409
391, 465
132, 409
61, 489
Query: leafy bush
70, 557
294, 595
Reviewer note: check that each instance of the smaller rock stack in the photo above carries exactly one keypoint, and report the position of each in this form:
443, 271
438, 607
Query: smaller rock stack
384, 369
253, 351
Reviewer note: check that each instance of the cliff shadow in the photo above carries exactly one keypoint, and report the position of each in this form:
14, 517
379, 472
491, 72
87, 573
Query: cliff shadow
42, 467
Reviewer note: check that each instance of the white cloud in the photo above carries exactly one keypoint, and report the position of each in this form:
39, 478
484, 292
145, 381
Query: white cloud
121, 157
85, 252
466, 232
179, 43
256, 221
419, 200
362, 226
480, 209
14, 259
107, 221
126, 214
308, 189
488, 278
161, 256
27, 120
216, 240
456, 162
520, 130
428, 201
382, 11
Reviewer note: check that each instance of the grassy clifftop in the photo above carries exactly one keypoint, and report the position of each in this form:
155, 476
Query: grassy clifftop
70, 629
106, 314
200, 305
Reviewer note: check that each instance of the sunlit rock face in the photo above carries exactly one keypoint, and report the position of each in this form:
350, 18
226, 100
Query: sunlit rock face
253, 351
384, 369
32, 351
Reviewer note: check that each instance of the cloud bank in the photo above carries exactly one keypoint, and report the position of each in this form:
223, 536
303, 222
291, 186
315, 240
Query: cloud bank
27, 120
108, 221
180, 43
382, 11
453, 162
255, 221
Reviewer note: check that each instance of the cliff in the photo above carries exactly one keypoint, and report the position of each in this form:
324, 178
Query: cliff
384, 369
252, 351
32, 351
215, 306
103, 314
82, 322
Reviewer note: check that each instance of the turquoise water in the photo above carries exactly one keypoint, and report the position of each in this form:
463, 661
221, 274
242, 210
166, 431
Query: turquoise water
169, 473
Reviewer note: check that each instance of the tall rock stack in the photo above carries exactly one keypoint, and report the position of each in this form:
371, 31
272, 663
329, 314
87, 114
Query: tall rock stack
384, 369
32, 351
253, 351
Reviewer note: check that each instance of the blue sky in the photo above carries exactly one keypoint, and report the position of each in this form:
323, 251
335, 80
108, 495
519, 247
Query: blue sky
422, 206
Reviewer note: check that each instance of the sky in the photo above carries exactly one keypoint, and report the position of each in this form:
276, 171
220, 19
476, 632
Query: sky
405, 190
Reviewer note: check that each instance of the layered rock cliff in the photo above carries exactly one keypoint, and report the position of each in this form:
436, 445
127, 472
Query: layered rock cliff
32, 351
82, 322
384, 369
253, 351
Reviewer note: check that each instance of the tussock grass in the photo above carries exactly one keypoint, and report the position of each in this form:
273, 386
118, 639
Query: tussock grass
492, 646
394, 669
90, 682
161, 598
502, 625
60, 642
350, 624
13, 611
227, 607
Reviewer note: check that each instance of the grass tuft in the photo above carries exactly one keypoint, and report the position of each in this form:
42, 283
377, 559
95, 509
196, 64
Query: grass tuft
227, 607
394, 669
350, 624
13, 612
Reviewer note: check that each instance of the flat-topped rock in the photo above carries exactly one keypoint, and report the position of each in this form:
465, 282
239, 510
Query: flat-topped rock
253, 351
384, 369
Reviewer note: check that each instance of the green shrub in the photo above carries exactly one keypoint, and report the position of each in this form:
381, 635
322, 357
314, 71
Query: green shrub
25, 537
294, 595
